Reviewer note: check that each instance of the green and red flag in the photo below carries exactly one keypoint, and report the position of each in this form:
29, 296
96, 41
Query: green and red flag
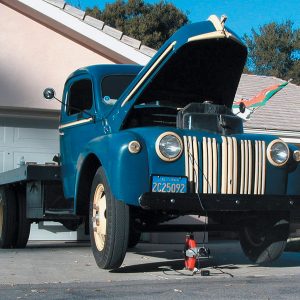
262, 97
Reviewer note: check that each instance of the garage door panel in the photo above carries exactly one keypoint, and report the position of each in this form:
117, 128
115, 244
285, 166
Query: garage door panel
2, 135
6, 159
35, 137
2, 161
6, 136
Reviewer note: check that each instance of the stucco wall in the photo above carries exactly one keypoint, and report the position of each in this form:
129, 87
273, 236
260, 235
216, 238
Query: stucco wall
33, 57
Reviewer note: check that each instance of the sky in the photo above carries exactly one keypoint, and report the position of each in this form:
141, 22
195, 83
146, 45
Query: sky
243, 15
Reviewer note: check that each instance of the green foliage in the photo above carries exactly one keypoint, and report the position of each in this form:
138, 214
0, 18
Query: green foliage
152, 24
275, 51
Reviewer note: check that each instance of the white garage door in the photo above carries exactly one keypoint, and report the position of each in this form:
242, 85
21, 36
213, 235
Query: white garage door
34, 140
33, 144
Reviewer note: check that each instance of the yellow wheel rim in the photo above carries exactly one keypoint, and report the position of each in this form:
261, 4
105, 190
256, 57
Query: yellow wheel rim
99, 217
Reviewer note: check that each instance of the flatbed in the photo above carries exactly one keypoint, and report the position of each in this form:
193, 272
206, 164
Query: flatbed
29, 172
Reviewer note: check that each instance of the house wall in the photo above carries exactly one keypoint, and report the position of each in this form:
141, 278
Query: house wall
33, 57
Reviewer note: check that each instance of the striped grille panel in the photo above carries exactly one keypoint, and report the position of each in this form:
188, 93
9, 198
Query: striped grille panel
229, 167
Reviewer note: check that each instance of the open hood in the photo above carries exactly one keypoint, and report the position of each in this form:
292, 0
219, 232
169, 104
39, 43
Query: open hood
200, 62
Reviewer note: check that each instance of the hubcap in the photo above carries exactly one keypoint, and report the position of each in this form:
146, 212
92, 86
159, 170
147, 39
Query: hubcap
99, 217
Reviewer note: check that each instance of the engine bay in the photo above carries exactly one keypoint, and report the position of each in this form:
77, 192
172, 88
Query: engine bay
206, 116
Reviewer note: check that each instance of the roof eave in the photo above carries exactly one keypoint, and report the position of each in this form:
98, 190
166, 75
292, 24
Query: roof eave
78, 31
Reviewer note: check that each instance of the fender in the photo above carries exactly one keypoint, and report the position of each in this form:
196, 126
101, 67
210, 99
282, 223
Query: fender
127, 173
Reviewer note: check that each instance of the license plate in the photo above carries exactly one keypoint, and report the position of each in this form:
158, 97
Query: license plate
169, 184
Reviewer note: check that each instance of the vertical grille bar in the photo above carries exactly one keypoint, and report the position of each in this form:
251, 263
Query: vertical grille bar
229, 165
205, 167
191, 163
259, 167
263, 176
196, 164
255, 192
246, 167
224, 166
250, 166
215, 166
210, 165
186, 157
242, 180
235, 166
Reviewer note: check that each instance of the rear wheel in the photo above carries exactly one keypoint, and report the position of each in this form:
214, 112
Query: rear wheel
109, 224
23, 224
264, 240
8, 218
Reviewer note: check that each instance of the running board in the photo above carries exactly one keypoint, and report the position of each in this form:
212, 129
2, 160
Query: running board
59, 212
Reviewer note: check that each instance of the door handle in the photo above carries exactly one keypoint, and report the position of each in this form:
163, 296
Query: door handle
61, 133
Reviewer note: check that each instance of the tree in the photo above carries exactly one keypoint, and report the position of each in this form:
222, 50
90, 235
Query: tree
152, 24
275, 51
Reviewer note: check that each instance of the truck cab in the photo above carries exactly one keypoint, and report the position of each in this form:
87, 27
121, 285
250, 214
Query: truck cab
88, 97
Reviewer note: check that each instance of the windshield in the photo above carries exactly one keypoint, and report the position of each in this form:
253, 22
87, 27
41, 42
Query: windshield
113, 86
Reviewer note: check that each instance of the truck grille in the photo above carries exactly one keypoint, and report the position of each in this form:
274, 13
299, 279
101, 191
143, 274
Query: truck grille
229, 167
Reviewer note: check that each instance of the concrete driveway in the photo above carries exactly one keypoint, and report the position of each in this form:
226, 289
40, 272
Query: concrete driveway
70, 262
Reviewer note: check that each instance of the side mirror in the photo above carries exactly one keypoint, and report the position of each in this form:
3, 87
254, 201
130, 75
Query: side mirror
242, 107
49, 93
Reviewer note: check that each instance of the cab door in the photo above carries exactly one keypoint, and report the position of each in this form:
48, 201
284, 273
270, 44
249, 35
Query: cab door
77, 127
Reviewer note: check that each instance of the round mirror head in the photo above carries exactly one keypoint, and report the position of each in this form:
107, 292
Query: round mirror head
49, 93
242, 107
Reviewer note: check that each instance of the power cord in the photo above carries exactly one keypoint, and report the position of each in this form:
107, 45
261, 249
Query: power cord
194, 162
205, 250
216, 268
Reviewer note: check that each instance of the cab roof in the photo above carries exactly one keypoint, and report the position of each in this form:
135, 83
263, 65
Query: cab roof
103, 70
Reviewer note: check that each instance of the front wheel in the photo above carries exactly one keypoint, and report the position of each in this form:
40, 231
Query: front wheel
264, 240
109, 224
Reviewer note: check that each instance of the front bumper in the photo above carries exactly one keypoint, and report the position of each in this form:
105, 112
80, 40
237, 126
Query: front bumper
190, 203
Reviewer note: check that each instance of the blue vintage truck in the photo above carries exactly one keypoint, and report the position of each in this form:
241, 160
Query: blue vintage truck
143, 145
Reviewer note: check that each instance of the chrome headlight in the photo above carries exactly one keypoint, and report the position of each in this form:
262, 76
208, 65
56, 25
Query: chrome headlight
278, 153
169, 146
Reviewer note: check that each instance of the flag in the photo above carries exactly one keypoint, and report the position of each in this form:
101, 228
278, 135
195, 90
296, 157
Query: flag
262, 97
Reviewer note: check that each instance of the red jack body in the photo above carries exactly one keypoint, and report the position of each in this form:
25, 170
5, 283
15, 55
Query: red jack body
190, 243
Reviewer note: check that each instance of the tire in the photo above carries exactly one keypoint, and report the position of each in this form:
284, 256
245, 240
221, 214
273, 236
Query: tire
23, 224
109, 224
264, 241
8, 218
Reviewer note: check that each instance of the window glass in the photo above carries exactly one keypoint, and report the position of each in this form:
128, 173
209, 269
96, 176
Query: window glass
113, 86
80, 96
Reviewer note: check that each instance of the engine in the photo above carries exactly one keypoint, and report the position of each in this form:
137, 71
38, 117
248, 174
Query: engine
209, 117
